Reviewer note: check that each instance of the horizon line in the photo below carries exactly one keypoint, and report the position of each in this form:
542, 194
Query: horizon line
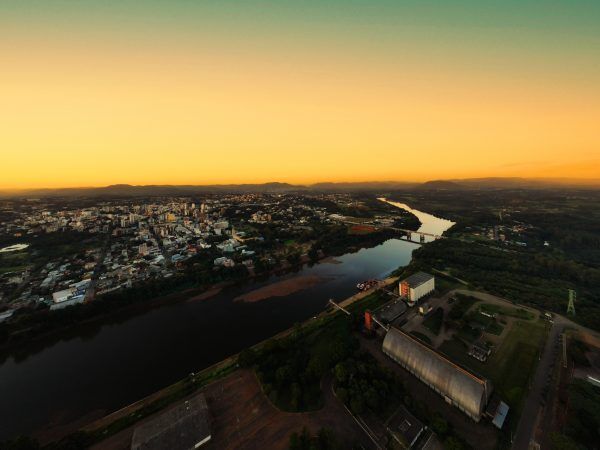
558, 180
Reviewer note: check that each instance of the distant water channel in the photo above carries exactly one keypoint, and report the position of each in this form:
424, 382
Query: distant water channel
109, 366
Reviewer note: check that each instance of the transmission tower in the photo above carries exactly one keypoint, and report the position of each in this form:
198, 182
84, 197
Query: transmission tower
572, 297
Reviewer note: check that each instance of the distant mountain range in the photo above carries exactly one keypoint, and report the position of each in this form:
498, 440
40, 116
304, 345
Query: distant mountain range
122, 190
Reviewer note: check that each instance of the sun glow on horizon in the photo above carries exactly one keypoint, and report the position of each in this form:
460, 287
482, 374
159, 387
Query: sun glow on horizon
164, 102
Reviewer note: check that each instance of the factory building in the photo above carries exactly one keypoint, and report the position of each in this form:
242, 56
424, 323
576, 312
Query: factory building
459, 387
416, 287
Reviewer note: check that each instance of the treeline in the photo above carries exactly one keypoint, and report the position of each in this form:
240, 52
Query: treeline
523, 276
582, 429
290, 369
364, 386
568, 219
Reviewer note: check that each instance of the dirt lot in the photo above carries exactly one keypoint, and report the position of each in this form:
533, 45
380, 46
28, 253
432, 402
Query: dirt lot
243, 418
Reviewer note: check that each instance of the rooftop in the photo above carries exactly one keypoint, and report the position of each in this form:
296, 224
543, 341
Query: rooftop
405, 427
390, 311
186, 426
418, 279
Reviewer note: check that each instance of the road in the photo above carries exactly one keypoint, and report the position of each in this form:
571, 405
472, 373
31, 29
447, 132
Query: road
533, 407
549, 356
533, 404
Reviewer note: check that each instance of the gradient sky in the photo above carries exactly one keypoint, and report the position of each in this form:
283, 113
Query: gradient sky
184, 92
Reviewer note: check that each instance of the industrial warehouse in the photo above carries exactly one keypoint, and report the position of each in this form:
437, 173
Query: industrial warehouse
401, 328
459, 387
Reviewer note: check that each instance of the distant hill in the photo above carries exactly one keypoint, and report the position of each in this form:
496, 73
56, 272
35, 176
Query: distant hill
510, 183
442, 185
363, 186
127, 190
526, 183
121, 190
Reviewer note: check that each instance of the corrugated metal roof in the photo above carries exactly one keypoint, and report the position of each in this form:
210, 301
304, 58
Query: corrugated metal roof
463, 389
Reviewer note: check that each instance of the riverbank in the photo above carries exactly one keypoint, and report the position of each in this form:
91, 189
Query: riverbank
20, 349
186, 333
36, 329
183, 335
103, 428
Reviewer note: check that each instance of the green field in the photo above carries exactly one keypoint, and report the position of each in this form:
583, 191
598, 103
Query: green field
514, 362
460, 306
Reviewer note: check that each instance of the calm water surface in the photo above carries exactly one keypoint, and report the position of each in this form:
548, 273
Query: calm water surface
110, 366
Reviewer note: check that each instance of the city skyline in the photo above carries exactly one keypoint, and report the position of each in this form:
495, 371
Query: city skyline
251, 92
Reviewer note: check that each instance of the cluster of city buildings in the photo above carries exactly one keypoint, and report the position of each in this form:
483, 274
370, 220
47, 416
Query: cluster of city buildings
73, 250
513, 233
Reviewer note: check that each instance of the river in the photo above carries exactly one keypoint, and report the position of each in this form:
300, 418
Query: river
107, 367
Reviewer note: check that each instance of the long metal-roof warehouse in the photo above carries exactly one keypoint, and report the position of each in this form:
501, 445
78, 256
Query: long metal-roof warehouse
459, 387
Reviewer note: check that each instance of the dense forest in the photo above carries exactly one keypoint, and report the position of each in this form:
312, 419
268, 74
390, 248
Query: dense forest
557, 247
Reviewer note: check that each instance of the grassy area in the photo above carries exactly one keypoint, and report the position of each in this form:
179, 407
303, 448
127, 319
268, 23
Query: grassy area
14, 261
445, 282
519, 313
433, 321
444, 285
460, 306
495, 328
511, 365
514, 362
489, 324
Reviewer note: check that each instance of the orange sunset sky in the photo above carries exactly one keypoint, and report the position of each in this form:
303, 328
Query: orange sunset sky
231, 92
